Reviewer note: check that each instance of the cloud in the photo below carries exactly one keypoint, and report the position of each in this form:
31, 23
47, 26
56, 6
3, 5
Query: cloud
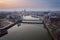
37, 4
22, 4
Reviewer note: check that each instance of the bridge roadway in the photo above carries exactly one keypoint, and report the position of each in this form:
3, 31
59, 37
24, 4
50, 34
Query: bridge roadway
14, 23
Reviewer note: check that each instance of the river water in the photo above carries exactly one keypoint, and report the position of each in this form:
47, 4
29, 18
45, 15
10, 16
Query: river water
27, 32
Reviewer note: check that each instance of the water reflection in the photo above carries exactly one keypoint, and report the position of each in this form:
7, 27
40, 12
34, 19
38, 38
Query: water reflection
30, 18
27, 32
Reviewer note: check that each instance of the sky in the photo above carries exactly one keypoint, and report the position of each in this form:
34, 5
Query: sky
40, 5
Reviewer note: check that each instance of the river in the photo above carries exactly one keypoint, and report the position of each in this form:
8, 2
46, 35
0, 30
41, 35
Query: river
27, 32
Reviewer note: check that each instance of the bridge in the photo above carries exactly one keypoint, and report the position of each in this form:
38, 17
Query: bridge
26, 19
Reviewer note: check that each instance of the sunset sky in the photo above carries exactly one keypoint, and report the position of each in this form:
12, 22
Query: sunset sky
40, 5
